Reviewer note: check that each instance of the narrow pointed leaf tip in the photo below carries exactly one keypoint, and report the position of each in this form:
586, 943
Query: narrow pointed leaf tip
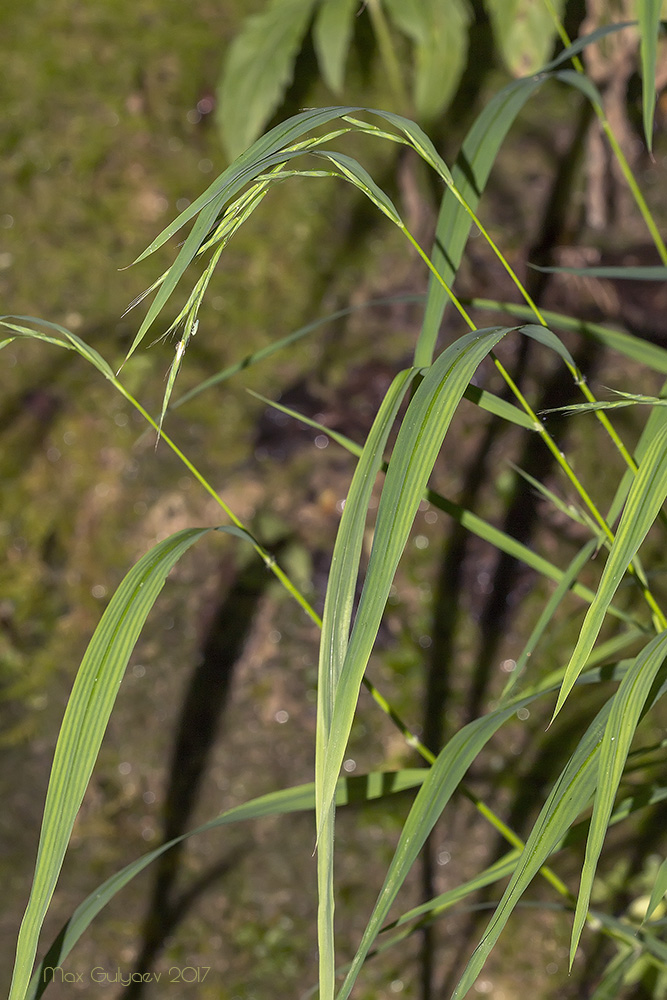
419, 440
645, 499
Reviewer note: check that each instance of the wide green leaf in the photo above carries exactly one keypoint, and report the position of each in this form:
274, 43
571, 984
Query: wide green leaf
524, 32
332, 32
646, 497
439, 33
333, 643
418, 443
86, 716
258, 68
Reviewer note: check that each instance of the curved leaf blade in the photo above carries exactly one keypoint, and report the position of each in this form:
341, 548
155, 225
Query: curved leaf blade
333, 643
419, 440
440, 36
84, 723
569, 796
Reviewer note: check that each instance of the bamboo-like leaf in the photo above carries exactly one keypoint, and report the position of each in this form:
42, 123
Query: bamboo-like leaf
66, 339
648, 16
332, 32
627, 707
419, 142
658, 891
258, 68
443, 778
440, 36
646, 497
419, 440
86, 716
636, 348
349, 791
523, 32
333, 643
568, 798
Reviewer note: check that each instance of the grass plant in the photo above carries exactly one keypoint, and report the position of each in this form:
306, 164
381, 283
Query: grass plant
620, 646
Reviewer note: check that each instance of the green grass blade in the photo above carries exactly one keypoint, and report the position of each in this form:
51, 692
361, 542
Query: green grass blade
648, 16
651, 355
352, 171
419, 440
268, 151
646, 497
627, 707
88, 709
658, 891
614, 976
442, 780
500, 869
419, 141
499, 407
66, 339
350, 791
569, 797
469, 175
333, 644
523, 33
434, 28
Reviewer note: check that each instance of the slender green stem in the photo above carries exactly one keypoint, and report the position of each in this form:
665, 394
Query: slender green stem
577, 376
581, 490
427, 260
542, 430
267, 557
410, 737
621, 159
